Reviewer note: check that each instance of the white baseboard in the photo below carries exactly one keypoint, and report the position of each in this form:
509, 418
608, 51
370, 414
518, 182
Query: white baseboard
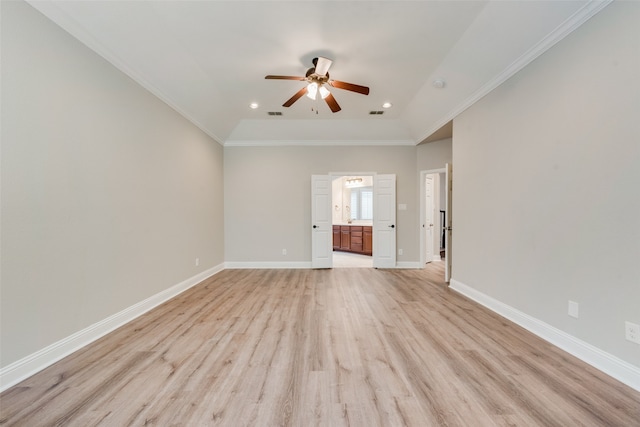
33, 363
296, 264
29, 365
267, 265
408, 264
601, 360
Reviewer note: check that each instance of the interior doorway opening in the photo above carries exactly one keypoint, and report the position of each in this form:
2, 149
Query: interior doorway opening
383, 229
433, 216
352, 220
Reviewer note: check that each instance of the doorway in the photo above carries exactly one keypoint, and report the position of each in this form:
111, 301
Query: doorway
433, 216
352, 220
382, 232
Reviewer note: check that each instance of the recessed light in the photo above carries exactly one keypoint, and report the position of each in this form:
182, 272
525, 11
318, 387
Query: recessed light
253, 105
387, 105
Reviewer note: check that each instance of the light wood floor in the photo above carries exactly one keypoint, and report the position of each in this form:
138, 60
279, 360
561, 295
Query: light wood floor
358, 347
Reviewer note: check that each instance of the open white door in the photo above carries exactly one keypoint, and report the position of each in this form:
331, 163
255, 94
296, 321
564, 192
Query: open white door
321, 224
448, 223
429, 216
384, 221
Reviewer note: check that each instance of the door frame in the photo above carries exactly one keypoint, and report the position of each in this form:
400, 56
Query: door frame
321, 220
334, 175
384, 224
434, 226
423, 208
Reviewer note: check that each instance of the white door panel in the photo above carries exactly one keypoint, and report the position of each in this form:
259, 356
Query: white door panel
321, 222
384, 221
429, 217
448, 222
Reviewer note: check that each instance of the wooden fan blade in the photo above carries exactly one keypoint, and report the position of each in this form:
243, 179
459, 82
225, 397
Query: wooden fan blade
332, 103
322, 65
350, 86
284, 78
295, 97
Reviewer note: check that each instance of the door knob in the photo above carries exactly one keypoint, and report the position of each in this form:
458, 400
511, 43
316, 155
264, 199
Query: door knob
392, 226
315, 226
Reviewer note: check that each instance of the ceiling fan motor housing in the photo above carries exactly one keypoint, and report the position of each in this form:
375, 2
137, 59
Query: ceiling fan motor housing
312, 76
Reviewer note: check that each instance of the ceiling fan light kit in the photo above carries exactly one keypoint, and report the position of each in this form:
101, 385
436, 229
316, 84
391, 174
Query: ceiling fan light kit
312, 90
316, 77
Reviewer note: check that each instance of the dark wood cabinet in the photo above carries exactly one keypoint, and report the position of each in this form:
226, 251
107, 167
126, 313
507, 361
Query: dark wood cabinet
367, 240
345, 238
356, 239
353, 238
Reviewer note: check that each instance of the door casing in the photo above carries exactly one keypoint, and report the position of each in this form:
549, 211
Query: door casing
387, 261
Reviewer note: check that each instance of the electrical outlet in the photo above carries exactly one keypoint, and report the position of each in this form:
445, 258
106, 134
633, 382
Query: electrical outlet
197, 262
400, 252
573, 309
284, 252
632, 332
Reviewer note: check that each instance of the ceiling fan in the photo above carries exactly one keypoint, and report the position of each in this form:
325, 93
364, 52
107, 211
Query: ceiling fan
316, 77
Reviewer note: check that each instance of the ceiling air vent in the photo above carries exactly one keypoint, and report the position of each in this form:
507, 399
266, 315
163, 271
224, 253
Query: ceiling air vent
376, 113
274, 113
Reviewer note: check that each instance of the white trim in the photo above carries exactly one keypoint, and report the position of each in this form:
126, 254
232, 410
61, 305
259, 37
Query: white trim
601, 360
562, 31
432, 171
61, 18
295, 142
267, 265
421, 214
70, 25
33, 363
338, 174
408, 264
300, 264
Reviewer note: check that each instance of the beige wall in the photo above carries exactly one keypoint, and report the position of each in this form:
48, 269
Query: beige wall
546, 200
268, 203
108, 195
434, 155
268, 199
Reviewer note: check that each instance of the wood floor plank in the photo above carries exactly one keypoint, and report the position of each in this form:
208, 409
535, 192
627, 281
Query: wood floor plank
342, 347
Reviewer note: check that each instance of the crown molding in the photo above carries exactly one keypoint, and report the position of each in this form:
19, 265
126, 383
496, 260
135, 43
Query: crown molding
282, 143
563, 30
71, 26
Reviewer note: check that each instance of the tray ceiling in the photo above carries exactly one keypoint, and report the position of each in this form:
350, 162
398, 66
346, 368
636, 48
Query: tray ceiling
208, 59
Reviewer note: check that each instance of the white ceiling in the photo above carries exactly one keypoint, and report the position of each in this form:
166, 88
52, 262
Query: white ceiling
208, 59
